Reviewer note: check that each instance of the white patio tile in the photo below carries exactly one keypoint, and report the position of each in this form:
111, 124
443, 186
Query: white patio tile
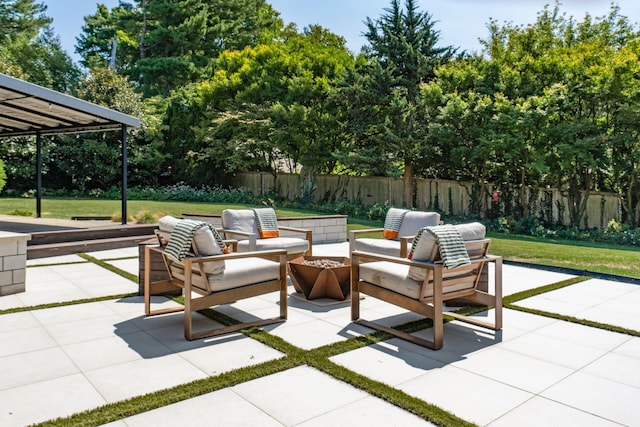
616, 367
114, 350
221, 354
17, 321
611, 317
61, 259
45, 400
131, 251
223, 407
473, 397
125, 380
10, 301
517, 370
90, 329
605, 398
72, 313
585, 335
367, 412
387, 363
62, 291
546, 302
35, 366
559, 351
310, 334
630, 348
539, 411
129, 265
24, 340
298, 394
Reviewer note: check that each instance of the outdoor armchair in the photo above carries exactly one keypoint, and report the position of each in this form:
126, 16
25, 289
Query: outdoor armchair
387, 241
209, 275
423, 283
242, 225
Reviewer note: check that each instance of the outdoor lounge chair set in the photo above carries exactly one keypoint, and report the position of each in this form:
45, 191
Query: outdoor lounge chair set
444, 263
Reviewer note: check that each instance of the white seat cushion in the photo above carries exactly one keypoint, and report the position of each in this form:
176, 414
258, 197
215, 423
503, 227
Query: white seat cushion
378, 246
238, 272
395, 277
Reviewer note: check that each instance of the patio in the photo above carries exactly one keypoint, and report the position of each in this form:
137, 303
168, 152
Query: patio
58, 361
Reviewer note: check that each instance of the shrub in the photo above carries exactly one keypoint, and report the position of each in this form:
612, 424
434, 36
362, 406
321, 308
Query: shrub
21, 212
146, 217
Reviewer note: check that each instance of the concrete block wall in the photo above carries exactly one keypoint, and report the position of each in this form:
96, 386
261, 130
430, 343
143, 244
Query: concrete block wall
13, 262
325, 228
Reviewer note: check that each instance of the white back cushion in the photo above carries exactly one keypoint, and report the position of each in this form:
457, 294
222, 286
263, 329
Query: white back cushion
415, 220
427, 250
203, 241
240, 220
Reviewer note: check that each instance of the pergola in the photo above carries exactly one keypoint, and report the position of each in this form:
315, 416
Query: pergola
27, 109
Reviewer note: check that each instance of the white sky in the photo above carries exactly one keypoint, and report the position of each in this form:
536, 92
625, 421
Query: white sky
460, 22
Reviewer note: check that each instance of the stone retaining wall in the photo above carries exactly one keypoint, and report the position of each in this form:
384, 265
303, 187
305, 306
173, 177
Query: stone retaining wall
13, 262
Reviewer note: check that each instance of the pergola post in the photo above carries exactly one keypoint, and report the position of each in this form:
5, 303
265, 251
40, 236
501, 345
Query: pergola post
124, 174
38, 175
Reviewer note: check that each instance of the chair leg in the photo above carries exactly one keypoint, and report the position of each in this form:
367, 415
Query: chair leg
283, 289
155, 288
355, 294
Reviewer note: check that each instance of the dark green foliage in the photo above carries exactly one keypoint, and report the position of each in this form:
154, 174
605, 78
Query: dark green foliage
381, 96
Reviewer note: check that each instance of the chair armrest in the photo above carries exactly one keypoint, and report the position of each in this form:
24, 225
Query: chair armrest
233, 243
353, 233
305, 231
252, 237
370, 256
238, 255
404, 245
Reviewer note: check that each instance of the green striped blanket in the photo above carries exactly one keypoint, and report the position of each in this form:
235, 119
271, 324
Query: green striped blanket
392, 223
266, 222
452, 250
182, 235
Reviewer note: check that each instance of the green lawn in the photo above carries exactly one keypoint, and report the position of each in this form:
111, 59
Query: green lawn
600, 258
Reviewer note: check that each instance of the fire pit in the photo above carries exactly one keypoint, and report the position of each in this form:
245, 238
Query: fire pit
321, 276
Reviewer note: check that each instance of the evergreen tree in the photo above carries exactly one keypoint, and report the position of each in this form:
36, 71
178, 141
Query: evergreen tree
404, 54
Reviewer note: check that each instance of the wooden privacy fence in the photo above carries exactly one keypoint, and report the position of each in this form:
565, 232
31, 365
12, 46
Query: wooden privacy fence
448, 197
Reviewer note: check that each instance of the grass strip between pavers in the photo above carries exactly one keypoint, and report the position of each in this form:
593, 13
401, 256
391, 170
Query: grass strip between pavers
64, 303
110, 267
317, 358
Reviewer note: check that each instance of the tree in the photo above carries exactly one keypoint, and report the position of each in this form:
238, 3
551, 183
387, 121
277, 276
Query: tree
163, 45
89, 161
264, 107
29, 48
3, 176
403, 48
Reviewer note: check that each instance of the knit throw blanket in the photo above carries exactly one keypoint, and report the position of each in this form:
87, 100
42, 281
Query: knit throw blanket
392, 223
452, 250
182, 235
266, 222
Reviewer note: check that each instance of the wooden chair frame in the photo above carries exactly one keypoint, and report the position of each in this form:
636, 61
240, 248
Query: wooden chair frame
430, 306
210, 297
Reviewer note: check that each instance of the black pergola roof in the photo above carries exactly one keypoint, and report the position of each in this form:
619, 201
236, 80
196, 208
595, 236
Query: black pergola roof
27, 109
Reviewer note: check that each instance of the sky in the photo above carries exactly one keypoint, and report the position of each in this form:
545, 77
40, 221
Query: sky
461, 23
